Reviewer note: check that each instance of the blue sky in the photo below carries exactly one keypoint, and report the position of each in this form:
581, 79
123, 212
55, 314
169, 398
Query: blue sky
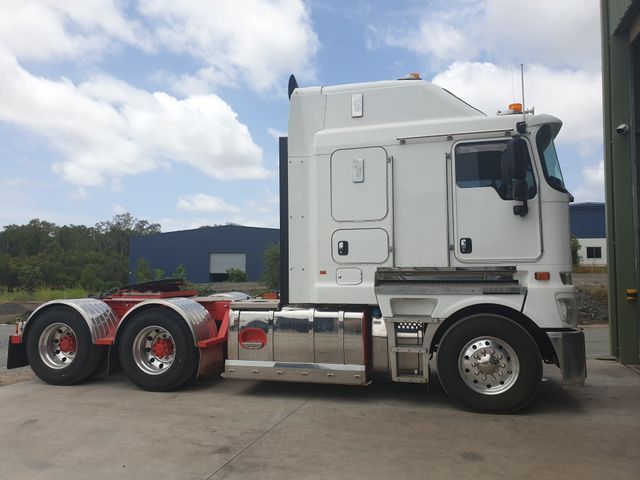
170, 110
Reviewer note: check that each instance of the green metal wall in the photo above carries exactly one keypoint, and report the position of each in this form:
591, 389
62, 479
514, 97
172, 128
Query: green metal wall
620, 178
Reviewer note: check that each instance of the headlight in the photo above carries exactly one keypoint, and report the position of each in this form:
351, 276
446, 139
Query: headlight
568, 308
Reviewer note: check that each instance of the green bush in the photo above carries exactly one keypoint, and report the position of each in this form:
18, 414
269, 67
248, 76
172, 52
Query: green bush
271, 266
236, 275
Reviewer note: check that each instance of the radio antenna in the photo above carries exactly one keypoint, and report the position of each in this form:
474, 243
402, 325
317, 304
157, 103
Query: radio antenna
513, 87
522, 81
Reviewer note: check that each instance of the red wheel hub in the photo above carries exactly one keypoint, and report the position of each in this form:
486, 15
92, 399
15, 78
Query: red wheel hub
162, 348
68, 344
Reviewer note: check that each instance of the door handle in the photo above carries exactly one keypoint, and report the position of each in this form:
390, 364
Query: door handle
343, 247
466, 245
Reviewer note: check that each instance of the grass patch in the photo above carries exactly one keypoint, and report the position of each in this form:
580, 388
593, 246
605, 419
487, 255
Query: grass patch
589, 269
41, 294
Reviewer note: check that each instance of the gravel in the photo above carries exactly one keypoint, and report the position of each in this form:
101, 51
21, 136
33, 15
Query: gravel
591, 291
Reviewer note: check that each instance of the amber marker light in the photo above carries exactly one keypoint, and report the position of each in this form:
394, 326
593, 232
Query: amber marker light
515, 107
542, 276
323, 272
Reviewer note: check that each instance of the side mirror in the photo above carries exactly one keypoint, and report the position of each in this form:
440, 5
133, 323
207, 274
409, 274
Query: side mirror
521, 194
518, 161
520, 157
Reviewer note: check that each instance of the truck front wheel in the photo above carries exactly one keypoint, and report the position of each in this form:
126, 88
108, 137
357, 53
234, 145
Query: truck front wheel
157, 351
489, 363
60, 349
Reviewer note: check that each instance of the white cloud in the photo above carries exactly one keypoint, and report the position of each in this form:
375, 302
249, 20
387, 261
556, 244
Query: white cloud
53, 29
555, 34
439, 40
201, 202
105, 128
573, 96
257, 41
592, 190
276, 134
171, 224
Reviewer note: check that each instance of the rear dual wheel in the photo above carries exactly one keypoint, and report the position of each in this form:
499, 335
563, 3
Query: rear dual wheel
489, 363
60, 348
157, 350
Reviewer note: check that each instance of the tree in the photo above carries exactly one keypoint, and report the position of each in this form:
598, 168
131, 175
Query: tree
271, 266
158, 274
30, 277
236, 275
575, 247
143, 270
180, 272
94, 257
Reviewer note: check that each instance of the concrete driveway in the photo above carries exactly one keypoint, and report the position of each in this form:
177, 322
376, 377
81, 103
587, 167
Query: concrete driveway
241, 429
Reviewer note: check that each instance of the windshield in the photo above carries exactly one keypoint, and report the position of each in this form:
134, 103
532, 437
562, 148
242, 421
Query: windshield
549, 158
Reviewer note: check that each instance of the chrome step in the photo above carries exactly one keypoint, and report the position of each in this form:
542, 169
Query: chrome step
406, 335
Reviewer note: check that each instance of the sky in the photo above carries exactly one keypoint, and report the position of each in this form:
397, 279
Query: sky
171, 110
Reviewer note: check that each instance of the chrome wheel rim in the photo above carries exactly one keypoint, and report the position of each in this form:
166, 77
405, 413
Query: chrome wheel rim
57, 345
154, 350
488, 365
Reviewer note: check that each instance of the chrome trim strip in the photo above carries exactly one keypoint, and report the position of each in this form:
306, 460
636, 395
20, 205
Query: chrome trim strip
296, 372
403, 140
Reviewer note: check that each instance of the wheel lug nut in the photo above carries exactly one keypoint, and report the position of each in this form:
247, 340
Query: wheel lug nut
499, 357
500, 373
492, 352
473, 364
503, 365
476, 357
476, 372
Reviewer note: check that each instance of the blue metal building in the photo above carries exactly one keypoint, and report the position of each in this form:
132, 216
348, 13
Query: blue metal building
206, 253
588, 220
588, 225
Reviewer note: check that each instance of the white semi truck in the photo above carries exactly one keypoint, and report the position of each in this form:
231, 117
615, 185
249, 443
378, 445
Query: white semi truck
415, 231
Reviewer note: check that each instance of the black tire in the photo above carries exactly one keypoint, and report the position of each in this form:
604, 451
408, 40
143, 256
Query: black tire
468, 389
185, 356
47, 364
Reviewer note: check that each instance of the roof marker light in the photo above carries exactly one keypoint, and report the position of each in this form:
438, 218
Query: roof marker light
411, 76
515, 107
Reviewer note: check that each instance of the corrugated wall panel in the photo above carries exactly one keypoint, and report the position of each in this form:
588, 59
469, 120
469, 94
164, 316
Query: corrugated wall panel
192, 248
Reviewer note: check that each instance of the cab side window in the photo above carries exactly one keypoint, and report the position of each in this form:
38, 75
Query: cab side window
484, 164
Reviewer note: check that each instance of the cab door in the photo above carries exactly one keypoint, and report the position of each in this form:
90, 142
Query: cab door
486, 227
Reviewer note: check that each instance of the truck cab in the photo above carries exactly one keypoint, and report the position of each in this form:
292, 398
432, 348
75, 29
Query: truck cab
446, 228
